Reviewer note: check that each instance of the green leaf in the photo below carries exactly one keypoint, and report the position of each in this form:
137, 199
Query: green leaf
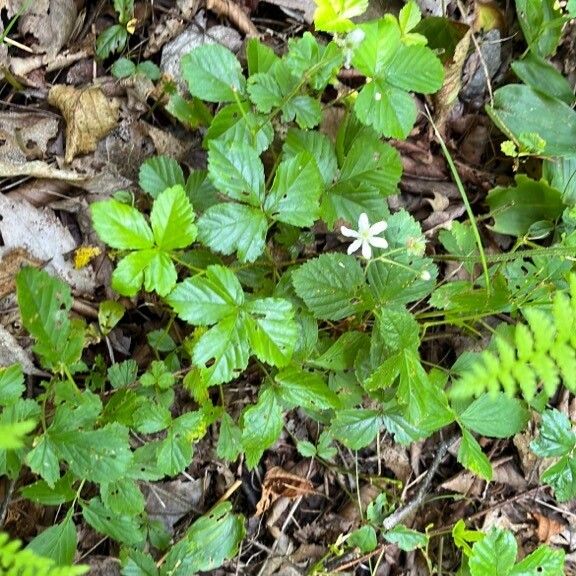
102, 455
232, 227
149, 69
123, 528
43, 460
332, 286
225, 347
174, 454
334, 15
151, 267
356, 428
272, 330
123, 497
306, 110
213, 73
158, 173
295, 193
265, 91
57, 542
261, 427
542, 76
111, 40
405, 538
205, 300
13, 436
519, 109
316, 144
516, 209
541, 23
342, 354
172, 219
11, 384
409, 17
44, 304
121, 226
110, 313
556, 436
259, 56
237, 123
496, 416
559, 172
562, 477
297, 387
544, 561
470, 455
212, 539
363, 538
137, 563
229, 440
42, 493
494, 554
237, 171
122, 68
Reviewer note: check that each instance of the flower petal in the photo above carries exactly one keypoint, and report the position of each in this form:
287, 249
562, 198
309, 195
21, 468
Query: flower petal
378, 227
354, 246
366, 250
348, 232
363, 223
379, 242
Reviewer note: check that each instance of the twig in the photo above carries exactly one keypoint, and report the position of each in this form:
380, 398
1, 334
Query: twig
404, 511
6, 501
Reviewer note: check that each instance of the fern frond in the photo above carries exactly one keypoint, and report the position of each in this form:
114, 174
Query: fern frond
542, 353
17, 562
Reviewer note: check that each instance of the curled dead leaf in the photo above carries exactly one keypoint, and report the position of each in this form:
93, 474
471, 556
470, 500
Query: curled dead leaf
89, 117
281, 484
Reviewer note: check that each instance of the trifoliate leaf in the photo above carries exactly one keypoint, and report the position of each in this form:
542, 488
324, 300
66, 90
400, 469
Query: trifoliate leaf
121, 226
237, 171
356, 428
172, 219
204, 300
305, 110
494, 554
332, 286
261, 427
232, 227
496, 416
470, 455
158, 173
272, 330
213, 73
295, 193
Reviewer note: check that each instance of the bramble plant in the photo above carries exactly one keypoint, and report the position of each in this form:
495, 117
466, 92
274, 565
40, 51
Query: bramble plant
226, 252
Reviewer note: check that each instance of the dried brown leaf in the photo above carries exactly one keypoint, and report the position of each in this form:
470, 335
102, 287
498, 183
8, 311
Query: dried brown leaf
89, 117
281, 484
547, 527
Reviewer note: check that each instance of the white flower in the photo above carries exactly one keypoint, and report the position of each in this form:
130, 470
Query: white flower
366, 236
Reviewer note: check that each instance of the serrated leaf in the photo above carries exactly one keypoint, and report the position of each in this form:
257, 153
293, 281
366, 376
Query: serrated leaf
43, 460
42, 493
544, 561
556, 436
297, 387
121, 226
211, 540
123, 528
470, 455
213, 73
272, 330
261, 427
152, 268
409, 16
356, 428
305, 110
137, 563
332, 286
232, 227
237, 123
405, 538
174, 454
57, 542
237, 171
11, 384
229, 440
494, 554
295, 193
259, 56
318, 145
158, 173
122, 497
265, 92
102, 455
111, 40
334, 15
122, 68
363, 538
562, 477
223, 351
44, 304
204, 300
496, 416
13, 436
172, 219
